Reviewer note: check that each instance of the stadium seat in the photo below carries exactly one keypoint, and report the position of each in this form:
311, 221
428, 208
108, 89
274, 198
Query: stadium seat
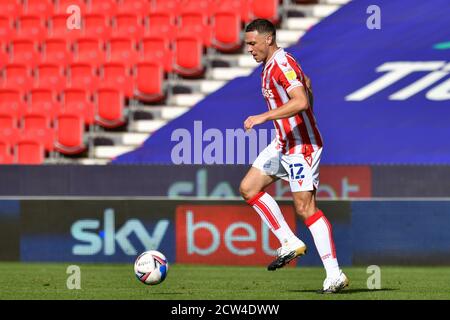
122, 50
110, 108
226, 31
61, 6
196, 23
11, 8
156, 48
58, 28
128, 26
7, 30
89, 50
41, 8
149, 82
97, 26
204, 7
82, 75
56, 51
49, 75
6, 156
133, 6
69, 134
29, 151
17, 76
32, 27
10, 135
117, 75
24, 51
240, 7
11, 102
38, 126
78, 101
167, 6
107, 8
188, 56
7, 120
161, 24
44, 101
267, 9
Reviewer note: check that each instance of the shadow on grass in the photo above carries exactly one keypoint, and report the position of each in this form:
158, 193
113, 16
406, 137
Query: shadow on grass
348, 291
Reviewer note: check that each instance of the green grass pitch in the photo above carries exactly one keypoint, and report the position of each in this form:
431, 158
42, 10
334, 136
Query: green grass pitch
117, 281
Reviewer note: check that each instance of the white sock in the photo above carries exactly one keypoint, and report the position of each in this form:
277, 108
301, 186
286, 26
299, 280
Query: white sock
270, 213
321, 231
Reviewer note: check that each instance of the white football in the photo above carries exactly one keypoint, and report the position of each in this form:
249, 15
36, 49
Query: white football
151, 267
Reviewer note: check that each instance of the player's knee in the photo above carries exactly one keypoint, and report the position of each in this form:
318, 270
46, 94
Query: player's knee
246, 191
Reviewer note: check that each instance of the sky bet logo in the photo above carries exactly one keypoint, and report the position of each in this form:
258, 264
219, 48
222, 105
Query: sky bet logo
111, 238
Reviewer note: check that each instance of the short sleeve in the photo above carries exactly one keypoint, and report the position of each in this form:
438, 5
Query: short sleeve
289, 76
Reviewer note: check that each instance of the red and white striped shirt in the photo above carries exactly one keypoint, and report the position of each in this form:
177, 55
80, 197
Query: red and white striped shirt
299, 133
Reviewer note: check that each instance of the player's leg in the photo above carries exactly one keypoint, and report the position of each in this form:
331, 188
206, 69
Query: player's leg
321, 230
252, 190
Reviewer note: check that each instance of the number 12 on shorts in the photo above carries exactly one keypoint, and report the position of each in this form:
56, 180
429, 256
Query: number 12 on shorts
296, 171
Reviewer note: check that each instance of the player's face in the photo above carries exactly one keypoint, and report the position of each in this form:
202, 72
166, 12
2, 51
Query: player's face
258, 45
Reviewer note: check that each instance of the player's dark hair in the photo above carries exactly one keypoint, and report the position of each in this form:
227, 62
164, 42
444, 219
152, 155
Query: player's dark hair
262, 26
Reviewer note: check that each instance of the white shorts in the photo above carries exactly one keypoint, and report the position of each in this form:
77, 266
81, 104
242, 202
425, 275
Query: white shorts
302, 174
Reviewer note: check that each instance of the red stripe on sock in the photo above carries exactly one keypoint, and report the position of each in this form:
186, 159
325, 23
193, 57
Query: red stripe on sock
268, 214
330, 235
316, 216
253, 200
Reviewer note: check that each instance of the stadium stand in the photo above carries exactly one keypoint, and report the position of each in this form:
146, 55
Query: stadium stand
93, 93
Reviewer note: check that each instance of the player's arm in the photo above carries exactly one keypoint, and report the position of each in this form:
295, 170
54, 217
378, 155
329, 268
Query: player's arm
309, 89
298, 102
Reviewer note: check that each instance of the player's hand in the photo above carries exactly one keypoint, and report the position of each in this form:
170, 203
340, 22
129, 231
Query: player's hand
253, 121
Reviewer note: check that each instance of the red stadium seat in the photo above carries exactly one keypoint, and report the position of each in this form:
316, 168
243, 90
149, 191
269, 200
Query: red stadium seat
11, 102
122, 50
156, 48
10, 135
110, 108
267, 9
7, 30
29, 151
7, 121
149, 82
162, 24
89, 50
41, 8
11, 8
18, 76
24, 51
133, 6
97, 26
83, 75
58, 28
128, 26
62, 6
205, 7
108, 8
226, 31
116, 75
4, 58
188, 56
32, 27
196, 23
6, 156
240, 7
167, 6
69, 134
38, 126
44, 101
56, 51
49, 76
78, 101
